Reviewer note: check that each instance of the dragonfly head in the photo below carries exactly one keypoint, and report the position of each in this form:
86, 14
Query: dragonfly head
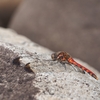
61, 56
54, 56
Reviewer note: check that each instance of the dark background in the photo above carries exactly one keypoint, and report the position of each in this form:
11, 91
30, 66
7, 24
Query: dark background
68, 25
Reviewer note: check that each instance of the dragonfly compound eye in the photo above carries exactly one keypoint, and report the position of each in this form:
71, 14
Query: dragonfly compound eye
54, 56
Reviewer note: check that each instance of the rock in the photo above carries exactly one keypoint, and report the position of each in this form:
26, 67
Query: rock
42, 78
66, 25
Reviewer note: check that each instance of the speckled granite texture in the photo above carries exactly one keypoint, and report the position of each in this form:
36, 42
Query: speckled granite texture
50, 80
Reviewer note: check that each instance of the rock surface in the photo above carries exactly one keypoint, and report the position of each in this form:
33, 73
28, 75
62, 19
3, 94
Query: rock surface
49, 80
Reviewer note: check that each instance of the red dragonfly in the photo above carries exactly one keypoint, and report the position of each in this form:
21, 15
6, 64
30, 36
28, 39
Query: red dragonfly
64, 57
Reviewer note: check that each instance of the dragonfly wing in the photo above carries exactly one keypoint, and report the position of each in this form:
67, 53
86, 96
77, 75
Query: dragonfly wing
77, 69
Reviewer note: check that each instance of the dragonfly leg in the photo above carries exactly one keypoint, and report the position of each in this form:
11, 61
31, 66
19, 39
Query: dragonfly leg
64, 66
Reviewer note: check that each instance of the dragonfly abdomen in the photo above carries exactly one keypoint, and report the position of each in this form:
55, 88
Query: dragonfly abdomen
82, 67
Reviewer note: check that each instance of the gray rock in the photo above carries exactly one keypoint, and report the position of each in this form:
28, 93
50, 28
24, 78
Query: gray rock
62, 24
49, 80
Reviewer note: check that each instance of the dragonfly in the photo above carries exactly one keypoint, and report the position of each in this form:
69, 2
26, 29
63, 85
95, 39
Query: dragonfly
64, 57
